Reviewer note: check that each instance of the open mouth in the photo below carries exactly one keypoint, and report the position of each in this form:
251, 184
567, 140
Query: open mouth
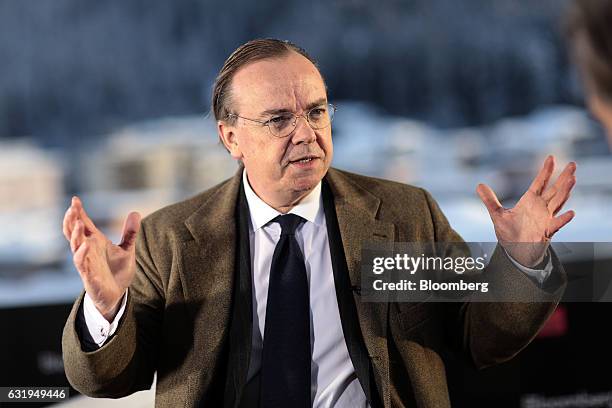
303, 160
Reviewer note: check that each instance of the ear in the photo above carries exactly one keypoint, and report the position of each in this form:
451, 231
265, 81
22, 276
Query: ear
229, 139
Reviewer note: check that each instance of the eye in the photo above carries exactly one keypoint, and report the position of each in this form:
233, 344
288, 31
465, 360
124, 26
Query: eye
280, 122
277, 119
316, 113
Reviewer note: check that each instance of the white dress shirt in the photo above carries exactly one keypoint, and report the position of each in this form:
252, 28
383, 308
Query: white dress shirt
334, 381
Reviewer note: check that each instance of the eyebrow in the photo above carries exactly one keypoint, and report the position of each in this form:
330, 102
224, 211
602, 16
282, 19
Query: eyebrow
318, 102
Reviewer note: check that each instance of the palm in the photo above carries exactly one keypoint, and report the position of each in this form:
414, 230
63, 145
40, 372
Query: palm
106, 269
525, 222
121, 264
534, 219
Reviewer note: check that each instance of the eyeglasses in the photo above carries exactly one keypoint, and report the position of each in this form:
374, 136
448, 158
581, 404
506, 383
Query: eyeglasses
282, 125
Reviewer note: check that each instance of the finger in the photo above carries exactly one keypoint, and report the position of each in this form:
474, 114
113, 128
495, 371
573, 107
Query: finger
560, 183
131, 226
78, 236
539, 183
559, 222
81, 261
489, 199
560, 198
68, 223
90, 227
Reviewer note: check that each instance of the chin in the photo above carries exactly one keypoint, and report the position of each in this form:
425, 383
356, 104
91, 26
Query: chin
304, 185
302, 180
307, 182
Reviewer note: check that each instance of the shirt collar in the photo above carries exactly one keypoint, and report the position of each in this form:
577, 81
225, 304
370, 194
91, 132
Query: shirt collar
310, 207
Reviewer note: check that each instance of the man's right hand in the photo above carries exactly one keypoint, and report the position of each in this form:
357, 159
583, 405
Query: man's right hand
106, 269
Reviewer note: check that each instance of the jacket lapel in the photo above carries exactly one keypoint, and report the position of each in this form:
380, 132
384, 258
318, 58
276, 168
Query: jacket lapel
207, 272
356, 211
240, 339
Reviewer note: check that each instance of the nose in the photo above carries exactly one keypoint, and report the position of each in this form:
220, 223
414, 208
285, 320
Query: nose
303, 133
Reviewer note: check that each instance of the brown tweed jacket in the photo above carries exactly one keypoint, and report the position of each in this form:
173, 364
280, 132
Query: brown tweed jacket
177, 316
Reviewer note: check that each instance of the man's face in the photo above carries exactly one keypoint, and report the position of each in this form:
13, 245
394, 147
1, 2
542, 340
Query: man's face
602, 110
262, 90
599, 106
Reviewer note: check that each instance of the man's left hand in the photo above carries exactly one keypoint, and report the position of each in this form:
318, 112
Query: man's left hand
534, 218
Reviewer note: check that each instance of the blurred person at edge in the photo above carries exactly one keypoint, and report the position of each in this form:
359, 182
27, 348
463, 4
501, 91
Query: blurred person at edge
589, 28
247, 294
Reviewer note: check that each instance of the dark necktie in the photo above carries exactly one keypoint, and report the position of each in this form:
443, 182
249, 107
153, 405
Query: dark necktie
285, 366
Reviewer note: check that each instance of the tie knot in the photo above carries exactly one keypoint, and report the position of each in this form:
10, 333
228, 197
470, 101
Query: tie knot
289, 223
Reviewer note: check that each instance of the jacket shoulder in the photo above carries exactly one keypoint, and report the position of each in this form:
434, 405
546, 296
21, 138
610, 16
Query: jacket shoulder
410, 208
386, 190
174, 215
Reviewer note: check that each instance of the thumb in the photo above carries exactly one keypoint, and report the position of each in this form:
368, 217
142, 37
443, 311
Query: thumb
489, 199
131, 226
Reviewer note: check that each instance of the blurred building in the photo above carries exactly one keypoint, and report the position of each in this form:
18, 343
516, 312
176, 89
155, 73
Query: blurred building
32, 178
150, 164
506, 155
31, 188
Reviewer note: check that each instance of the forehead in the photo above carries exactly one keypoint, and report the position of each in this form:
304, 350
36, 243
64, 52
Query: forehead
291, 82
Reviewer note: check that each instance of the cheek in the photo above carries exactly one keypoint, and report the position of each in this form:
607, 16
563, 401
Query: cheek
603, 112
606, 120
271, 157
327, 146
595, 108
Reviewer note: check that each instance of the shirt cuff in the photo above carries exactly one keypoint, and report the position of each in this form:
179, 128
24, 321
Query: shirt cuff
539, 275
99, 328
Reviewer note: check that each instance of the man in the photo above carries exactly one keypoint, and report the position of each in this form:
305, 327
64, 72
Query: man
590, 35
245, 295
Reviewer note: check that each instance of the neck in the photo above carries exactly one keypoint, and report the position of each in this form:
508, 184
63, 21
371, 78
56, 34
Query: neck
281, 201
285, 208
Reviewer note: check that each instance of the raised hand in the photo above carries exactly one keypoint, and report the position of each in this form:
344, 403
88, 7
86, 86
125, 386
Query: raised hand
106, 269
534, 219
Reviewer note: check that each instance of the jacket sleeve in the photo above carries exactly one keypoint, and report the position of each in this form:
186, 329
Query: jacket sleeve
491, 332
127, 361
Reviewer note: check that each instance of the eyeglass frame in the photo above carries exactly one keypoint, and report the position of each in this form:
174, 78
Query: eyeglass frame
332, 108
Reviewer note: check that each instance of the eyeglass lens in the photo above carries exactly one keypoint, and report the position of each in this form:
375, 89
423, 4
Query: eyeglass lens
284, 124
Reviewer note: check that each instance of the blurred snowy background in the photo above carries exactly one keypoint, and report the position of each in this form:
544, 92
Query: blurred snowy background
109, 100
